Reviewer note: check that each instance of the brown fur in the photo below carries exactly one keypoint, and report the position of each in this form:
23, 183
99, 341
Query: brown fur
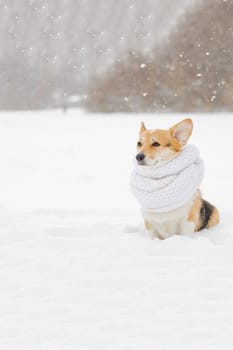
195, 210
214, 219
194, 213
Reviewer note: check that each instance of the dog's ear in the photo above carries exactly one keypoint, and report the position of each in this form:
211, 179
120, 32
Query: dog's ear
142, 128
181, 132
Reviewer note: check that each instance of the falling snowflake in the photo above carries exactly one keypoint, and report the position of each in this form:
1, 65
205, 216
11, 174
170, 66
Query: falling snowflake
213, 98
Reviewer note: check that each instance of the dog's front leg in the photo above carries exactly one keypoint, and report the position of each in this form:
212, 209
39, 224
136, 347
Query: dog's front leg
152, 231
186, 227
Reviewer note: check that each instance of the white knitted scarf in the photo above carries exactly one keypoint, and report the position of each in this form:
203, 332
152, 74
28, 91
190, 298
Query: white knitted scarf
169, 186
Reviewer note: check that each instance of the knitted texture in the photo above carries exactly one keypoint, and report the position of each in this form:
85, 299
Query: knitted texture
169, 186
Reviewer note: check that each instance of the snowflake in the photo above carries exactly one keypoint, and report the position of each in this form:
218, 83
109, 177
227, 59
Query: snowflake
213, 98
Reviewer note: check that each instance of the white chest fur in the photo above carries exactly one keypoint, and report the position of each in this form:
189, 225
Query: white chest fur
164, 225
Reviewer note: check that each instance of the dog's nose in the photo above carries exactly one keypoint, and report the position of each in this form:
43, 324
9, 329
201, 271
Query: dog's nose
140, 157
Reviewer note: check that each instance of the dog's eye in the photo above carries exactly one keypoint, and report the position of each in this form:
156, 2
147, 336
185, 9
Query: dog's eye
156, 144
139, 144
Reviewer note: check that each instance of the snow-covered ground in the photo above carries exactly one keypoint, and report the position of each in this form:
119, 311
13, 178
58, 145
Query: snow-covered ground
77, 269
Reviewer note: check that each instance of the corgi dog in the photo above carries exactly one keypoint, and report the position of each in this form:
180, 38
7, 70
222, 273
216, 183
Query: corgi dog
155, 148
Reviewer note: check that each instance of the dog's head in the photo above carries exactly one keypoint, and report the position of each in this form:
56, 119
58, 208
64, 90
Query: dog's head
156, 147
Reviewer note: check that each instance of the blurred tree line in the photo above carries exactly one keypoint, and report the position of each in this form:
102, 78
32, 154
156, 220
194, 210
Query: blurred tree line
191, 71
52, 50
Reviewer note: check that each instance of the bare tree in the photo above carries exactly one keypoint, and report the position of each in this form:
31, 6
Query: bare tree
192, 71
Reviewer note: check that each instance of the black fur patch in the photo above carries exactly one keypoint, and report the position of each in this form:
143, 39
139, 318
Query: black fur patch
205, 213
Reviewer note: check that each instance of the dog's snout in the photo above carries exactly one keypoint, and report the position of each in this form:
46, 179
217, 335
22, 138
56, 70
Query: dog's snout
140, 157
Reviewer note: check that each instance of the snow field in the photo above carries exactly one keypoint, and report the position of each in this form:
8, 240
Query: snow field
77, 269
